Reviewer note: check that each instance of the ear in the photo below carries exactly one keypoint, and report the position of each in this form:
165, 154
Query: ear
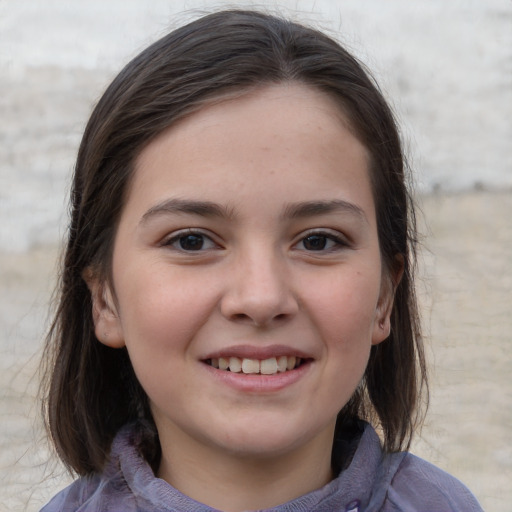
107, 324
389, 284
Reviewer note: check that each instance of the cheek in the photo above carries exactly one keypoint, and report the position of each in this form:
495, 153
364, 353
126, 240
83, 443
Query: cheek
160, 312
344, 308
159, 322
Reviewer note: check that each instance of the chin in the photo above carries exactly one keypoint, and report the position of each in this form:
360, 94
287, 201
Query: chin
260, 439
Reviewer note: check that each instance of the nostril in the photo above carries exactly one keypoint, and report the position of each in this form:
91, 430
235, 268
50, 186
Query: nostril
240, 316
259, 320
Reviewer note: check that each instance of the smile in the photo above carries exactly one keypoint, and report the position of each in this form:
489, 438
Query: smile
270, 366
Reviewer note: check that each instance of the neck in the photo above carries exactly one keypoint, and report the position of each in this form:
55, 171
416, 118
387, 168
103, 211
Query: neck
235, 482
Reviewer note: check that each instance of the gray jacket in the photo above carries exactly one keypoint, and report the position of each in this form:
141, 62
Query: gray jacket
373, 481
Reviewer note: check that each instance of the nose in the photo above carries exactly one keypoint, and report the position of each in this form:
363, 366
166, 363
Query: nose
259, 291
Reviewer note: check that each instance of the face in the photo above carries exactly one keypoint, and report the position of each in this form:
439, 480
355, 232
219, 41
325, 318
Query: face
247, 280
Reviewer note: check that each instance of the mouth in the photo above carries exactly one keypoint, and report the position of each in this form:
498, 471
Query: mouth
269, 366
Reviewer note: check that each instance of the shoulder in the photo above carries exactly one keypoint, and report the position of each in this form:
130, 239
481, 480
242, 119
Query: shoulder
402, 482
94, 493
126, 484
115, 488
418, 485
376, 481
74, 496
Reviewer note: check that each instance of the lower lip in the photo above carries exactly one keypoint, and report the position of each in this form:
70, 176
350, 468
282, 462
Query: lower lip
258, 383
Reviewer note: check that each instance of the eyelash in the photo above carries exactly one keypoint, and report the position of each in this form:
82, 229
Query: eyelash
181, 235
201, 237
338, 241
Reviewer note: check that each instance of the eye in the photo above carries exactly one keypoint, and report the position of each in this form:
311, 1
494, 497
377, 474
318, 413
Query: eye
321, 242
190, 241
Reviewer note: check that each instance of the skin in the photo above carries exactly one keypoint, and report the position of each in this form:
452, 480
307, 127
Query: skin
283, 257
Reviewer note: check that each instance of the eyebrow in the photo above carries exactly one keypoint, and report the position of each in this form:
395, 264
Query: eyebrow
291, 211
202, 208
314, 208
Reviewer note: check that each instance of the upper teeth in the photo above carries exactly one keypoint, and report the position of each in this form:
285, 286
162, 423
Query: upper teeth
265, 366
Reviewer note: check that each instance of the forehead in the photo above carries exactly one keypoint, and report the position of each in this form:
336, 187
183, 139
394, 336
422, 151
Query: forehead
289, 137
246, 108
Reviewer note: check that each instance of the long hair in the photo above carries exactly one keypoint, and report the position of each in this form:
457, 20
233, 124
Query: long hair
91, 390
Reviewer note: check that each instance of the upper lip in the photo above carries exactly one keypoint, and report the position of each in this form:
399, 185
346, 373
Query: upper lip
257, 352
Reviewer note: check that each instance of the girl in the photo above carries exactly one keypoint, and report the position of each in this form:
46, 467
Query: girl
237, 300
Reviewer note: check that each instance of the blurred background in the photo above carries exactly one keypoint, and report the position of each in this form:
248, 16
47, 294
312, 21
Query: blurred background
446, 68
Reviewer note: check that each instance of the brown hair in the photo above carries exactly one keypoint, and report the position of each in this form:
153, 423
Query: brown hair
91, 389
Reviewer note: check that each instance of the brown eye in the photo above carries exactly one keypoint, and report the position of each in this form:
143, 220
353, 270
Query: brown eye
320, 241
315, 243
191, 242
